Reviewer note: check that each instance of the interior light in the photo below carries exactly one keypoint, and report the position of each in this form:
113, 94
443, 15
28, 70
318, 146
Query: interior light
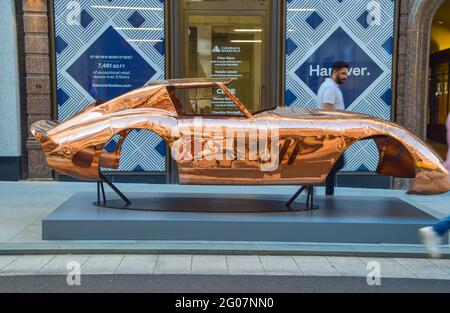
246, 41
138, 29
248, 30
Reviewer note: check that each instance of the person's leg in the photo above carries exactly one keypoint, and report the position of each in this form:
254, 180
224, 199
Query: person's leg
330, 183
442, 227
432, 240
432, 236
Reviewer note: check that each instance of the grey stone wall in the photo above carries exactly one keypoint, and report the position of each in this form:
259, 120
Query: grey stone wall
10, 142
402, 56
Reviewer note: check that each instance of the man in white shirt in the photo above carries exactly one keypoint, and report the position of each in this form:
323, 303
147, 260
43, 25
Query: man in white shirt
331, 97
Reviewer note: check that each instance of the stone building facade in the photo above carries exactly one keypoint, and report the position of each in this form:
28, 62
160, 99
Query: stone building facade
36, 60
37, 72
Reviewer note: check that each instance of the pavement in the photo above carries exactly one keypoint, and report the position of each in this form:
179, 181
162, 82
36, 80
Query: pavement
23, 205
23, 253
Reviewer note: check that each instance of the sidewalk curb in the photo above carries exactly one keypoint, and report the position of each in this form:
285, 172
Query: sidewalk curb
210, 248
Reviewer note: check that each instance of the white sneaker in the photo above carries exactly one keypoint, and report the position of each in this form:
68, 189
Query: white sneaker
431, 240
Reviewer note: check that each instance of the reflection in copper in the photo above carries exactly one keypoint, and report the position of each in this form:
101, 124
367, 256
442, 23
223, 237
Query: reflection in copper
310, 141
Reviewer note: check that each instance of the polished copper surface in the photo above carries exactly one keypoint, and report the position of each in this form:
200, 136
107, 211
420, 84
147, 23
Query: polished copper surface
283, 146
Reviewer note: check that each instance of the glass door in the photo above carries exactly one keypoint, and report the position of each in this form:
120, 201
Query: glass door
439, 97
227, 39
439, 101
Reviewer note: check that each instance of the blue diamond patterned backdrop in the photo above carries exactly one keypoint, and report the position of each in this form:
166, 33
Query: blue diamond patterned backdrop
319, 32
130, 29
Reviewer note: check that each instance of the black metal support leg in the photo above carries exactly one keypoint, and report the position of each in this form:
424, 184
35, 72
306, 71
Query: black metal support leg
309, 199
297, 194
114, 188
98, 193
102, 186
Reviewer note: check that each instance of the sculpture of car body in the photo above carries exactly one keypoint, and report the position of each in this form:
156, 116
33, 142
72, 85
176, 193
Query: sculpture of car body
308, 142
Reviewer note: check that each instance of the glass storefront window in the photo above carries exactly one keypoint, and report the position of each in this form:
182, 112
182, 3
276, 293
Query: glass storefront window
105, 49
358, 32
227, 47
227, 39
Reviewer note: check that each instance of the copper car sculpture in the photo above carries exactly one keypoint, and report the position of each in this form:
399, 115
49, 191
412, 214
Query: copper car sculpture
308, 142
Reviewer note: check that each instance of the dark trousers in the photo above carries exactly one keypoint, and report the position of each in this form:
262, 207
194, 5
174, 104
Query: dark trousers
330, 183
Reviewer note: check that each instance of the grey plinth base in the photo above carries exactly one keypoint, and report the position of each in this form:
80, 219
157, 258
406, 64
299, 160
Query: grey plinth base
339, 220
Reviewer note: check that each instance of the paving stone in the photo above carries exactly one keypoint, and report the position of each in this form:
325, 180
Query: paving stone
280, 265
26, 265
349, 266
173, 264
390, 268
209, 264
315, 266
444, 264
6, 260
424, 269
59, 264
137, 264
101, 264
245, 265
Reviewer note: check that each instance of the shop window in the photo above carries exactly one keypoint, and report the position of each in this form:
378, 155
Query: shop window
359, 32
104, 49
